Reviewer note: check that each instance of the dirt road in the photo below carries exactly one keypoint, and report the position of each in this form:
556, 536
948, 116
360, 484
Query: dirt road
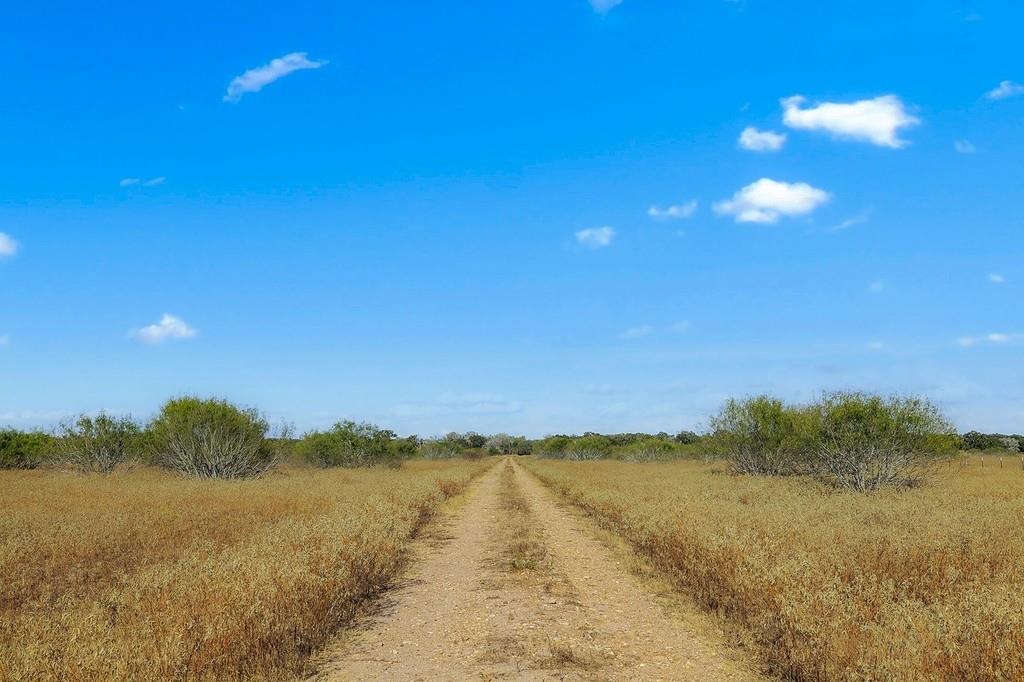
511, 585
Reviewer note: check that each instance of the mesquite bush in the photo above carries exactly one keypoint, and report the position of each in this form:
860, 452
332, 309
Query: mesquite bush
211, 439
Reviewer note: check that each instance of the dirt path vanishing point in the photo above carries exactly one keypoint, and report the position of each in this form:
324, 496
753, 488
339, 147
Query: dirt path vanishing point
513, 586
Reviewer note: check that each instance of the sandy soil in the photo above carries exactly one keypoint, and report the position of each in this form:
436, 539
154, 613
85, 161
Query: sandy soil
462, 613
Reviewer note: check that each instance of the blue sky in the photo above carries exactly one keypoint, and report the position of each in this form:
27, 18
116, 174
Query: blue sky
533, 216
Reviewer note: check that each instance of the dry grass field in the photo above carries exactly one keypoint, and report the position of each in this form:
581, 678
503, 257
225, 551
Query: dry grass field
920, 584
147, 576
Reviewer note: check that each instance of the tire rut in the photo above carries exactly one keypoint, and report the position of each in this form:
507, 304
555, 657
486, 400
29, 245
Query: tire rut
470, 607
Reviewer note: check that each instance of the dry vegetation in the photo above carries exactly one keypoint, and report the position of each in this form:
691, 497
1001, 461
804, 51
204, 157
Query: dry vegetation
916, 584
146, 576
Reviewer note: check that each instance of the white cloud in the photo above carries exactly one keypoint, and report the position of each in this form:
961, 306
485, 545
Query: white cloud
5, 340
996, 278
876, 345
761, 140
596, 237
996, 337
1004, 90
256, 79
964, 146
602, 6
967, 341
8, 247
128, 182
169, 327
877, 120
674, 212
155, 181
877, 287
767, 200
637, 332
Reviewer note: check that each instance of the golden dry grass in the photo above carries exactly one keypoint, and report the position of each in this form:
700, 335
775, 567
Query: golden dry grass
146, 576
918, 584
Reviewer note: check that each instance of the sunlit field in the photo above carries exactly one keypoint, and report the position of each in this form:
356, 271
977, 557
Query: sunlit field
924, 583
145, 575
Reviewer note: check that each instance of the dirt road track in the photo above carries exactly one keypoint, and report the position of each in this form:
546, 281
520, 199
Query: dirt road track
459, 612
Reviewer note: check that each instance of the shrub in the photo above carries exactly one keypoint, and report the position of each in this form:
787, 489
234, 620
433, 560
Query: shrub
442, 448
99, 444
348, 444
763, 436
590, 446
504, 444
23, 449
650, 450
211, 439
868, 442
553, 446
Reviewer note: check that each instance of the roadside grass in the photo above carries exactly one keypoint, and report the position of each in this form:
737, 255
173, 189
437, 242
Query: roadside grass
143, 575
914, 584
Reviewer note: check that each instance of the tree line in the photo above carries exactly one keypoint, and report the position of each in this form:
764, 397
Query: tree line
853, 440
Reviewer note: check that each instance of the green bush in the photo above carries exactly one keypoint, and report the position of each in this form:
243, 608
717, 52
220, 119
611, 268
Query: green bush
762, 435
650, 450
852, 440
590, 446
868, 442
553, 447
100, 444
211, 438
24, 449
351, 444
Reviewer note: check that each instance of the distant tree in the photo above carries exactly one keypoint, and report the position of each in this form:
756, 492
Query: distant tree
686, 437
974, 440
352, 444
504, 444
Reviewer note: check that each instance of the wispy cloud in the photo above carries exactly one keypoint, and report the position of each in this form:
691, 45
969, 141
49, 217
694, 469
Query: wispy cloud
637, 332
859, 219
876, 345
997, 338
877, 287
169, 327
8, 247
761, 140
5, 340
767, 200
681, 327
133, 182
602, 6
996, 278
964, 147
878, 121
596, 237
458, 404
1004, 90
256, 79
674, 212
